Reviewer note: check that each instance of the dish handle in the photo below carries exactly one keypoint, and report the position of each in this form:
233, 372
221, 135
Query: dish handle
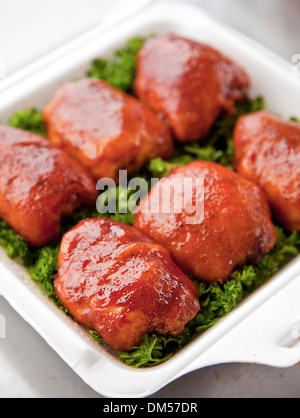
270, 335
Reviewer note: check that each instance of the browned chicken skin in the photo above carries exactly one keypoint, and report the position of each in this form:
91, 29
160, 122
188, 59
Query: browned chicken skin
267, 151
116, 281
105, 129
38, 185
188, 83
236, 227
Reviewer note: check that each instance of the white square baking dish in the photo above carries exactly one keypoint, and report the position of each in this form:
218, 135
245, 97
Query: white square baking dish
263, 329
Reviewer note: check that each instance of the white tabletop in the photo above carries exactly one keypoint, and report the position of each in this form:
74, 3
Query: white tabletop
29, 368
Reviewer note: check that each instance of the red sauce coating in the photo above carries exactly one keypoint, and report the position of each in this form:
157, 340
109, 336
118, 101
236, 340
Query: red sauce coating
105, 129
188, 83
267, 151
115, 280
38, 185
236, 227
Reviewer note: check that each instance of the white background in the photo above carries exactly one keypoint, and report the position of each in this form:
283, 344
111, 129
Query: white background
28, 367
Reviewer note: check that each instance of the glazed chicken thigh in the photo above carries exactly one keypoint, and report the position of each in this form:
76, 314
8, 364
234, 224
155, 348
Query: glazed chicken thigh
188, 83
38, 185
116, 281
105, 129
267, 151
235, 227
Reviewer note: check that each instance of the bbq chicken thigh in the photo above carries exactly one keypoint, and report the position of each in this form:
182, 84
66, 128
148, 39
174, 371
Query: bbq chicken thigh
38, 185
267, 151
188, 83
116, 281
105, 129
235, 228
